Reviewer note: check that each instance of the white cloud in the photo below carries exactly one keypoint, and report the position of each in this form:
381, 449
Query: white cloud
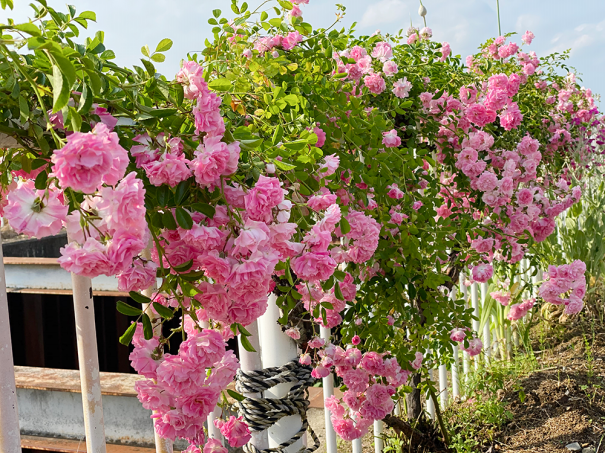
383, 12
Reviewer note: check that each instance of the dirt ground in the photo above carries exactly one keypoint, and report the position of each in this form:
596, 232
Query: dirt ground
565, 400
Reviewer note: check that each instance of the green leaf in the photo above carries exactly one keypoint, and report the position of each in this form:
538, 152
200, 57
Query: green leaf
216, 13
246, 344
147, 327
85, 100
181, 192
164, 45
337, 291
264, 16
344, 226
75, 119
289, 276
145, 51
158, 57
277, 135
89, 15
60, 89
184, 218
41, 179
34, 42
67, 68
220, 84
189, 290
127, 337
23, 109
138, 297
168, 220
283, 165
164, 312
236, 395
128, 310
204, 208
28, 28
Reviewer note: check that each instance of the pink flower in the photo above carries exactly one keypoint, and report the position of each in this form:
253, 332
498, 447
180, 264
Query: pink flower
346, 429
445, 51
152, 396
402, 88
395, 192
382, 51
320, 372
329, 165
314, 266
191, 77
375, 83
211, 161
356, 380
90, 159
511, 117
356, 340
390, 68
203, 349
525, 197
214, 446
474, 347
169, 169
30, 213
207, 116
89, 260
390, 139
528, 37
372, 362
426, 33
503, 297
417, 205
487, 182
265, 195
518, 311
304, 359
316, 343
247, 53
124, 206
412, 38
291, 40
293, 332
482, 272
235, 430
139, 276
458, 335
417, 363
321, 137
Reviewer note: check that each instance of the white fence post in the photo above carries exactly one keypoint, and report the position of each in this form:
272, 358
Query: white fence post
465, 356
430, 404
456, 362
88, 359
378, 441
328, 386
277, 350
10, 439
487, 335
251, 361
475, 302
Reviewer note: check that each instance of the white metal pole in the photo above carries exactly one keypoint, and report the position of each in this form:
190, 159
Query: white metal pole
277, 350
430, 404
456, 362
328, 385
378, 440
465, 356
161, 445
251, 361
10, 440
88, 358
486, 331
475, 302
443, 393
357, 448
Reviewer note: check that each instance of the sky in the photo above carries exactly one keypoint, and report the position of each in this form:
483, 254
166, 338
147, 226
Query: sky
578, 25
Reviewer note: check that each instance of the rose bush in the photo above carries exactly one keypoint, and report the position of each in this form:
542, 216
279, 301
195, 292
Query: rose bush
355, 177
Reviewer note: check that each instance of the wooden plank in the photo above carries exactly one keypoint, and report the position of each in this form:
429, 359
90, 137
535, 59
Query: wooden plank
51, 379
64, 292
75, 446
30, 260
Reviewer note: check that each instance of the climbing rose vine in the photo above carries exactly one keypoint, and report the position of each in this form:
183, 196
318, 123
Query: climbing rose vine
353, 177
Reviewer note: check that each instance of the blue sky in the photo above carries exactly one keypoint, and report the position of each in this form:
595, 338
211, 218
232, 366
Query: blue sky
557, 24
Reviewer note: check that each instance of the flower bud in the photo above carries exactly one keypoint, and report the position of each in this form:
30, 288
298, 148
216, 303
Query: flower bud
422, 10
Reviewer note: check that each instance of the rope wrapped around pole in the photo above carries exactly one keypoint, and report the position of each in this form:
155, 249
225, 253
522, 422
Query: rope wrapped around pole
261, 413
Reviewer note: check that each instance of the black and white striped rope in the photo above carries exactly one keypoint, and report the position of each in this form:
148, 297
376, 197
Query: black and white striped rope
262, 413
